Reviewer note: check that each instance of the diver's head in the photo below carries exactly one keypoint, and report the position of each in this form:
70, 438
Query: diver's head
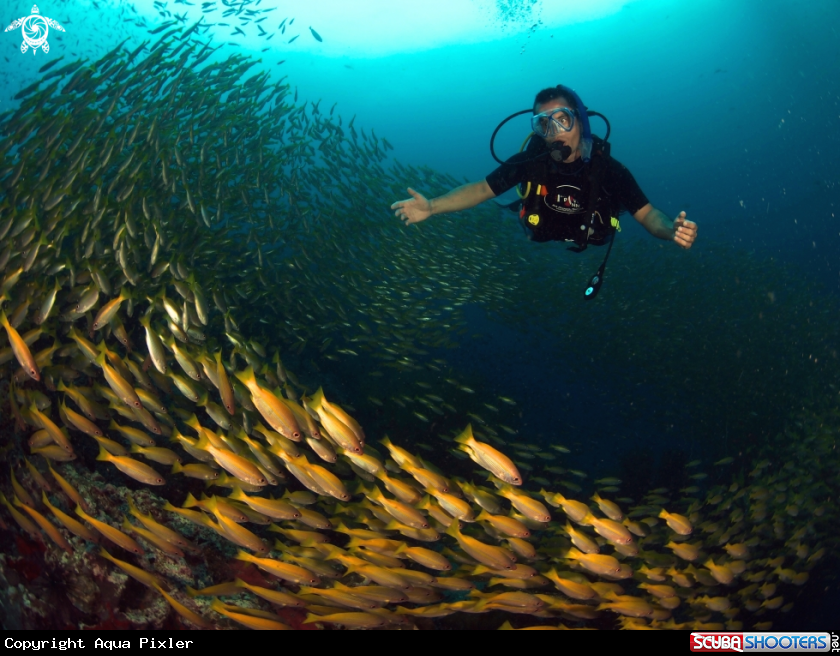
556, 120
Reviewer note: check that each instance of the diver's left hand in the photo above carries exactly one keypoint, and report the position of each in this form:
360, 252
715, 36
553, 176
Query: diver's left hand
685, 231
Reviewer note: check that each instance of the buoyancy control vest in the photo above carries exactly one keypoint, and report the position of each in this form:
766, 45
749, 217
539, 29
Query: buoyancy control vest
557, 207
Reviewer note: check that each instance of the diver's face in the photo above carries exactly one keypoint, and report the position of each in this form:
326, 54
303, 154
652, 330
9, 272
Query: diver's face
570, 138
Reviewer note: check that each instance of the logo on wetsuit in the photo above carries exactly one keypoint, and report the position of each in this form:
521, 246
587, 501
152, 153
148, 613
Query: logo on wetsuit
564, 199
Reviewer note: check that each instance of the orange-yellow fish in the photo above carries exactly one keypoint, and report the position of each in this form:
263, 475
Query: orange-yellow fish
494, 557
506, 525
46, 525
68, 489
183, 611
114, 535
425, 557
107, 312
159, 529
489, 458
281, 570
55, 433
253, 619
122, 388
141, 575
69, 523
20, 349
137, 470
677, 523
276, 597
273, 410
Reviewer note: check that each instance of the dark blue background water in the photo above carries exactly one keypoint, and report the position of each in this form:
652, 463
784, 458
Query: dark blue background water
727, 109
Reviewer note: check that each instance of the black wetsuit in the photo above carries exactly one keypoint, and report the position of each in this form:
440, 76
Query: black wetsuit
555, 207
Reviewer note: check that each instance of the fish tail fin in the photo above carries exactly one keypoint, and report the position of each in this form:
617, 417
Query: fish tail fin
103, 454
318, 397
246, 376
211, 504
466, 435
132, 508
177, 467
333, 552
453, 529
244, 555
191, 501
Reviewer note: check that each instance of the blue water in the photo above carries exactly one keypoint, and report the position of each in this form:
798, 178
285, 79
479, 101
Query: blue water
729, 110
726, 109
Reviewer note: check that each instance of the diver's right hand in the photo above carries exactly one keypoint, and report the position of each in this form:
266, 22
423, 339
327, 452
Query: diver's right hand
413, 210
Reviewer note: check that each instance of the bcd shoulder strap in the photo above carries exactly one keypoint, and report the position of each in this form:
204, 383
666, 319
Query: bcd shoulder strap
596, 170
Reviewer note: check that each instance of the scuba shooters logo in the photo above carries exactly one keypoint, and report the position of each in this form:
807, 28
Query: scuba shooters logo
35, 29
594, 152
761, 642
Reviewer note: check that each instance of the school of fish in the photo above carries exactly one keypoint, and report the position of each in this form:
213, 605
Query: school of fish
171, 238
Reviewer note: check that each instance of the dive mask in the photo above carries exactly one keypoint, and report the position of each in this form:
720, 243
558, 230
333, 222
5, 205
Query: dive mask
550, 123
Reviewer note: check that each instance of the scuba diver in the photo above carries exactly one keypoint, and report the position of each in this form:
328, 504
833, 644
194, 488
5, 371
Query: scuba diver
570, 188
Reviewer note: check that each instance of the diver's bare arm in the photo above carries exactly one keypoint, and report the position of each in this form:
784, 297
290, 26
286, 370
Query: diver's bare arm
655, 222
463, 197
